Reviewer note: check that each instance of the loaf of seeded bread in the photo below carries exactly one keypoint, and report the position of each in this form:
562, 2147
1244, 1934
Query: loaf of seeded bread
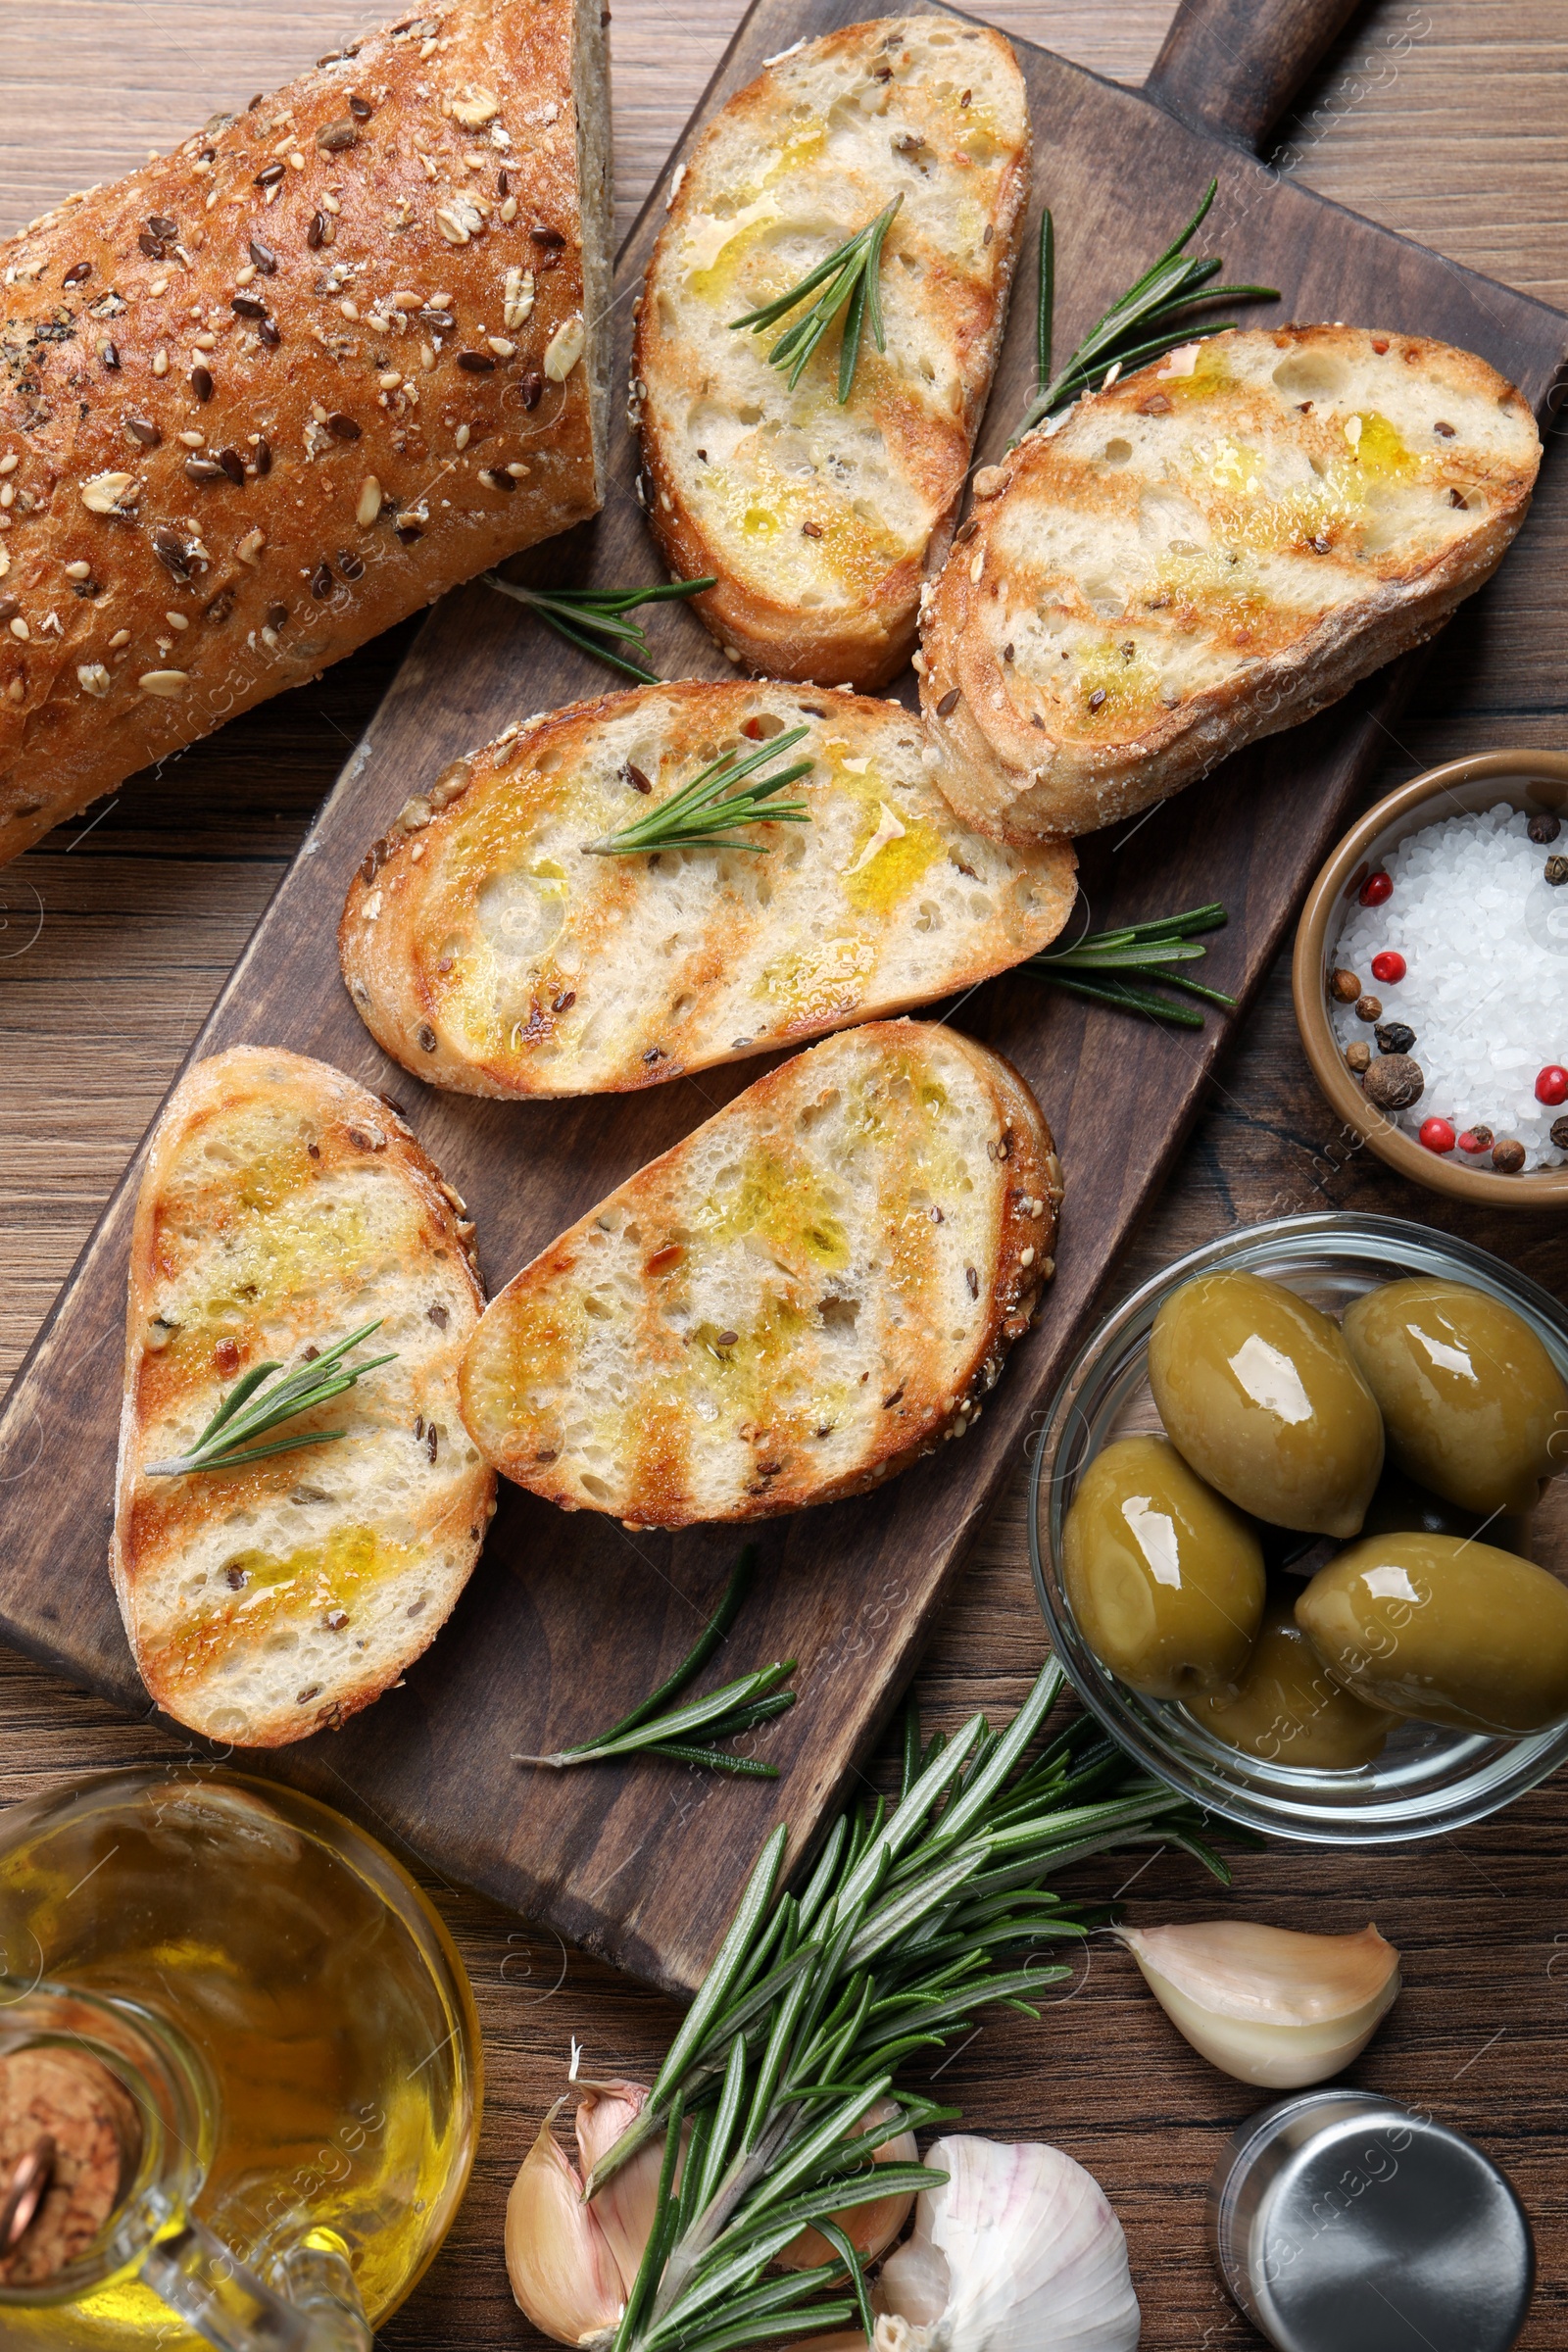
281, 1208
1209, 551
487, 951
282, 387
819, 520
811, 1291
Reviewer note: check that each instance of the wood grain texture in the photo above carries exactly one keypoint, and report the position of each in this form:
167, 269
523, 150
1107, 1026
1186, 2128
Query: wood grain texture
1448, 122
565, 1614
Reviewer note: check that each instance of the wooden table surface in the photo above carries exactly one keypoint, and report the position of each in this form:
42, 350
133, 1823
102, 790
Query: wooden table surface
1446, 120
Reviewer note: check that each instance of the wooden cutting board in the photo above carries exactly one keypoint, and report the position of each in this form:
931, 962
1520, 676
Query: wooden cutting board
568, 1620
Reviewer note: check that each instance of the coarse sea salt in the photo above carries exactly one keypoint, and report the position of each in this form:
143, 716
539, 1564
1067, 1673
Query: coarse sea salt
1485, 940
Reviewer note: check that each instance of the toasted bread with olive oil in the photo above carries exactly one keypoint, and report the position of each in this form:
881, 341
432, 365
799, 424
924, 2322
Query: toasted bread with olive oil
800, 1300
819, 520
489, 954
281, 1207
1208, 552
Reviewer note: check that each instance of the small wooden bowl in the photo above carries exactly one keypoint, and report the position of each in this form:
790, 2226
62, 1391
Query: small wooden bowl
1533, 781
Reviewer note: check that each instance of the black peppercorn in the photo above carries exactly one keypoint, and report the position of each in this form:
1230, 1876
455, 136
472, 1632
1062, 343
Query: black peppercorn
1559, 1134
1394, 1037
1557, 871
1544, 830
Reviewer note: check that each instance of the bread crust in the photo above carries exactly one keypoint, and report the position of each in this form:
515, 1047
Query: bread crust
840, 609
1244, 589
625, 972
367, 429
272, 1167
749, 1439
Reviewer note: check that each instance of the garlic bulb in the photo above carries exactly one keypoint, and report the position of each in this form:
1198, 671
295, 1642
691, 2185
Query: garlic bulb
573, 2265
1265, 2004
1019, 2249
869, 2228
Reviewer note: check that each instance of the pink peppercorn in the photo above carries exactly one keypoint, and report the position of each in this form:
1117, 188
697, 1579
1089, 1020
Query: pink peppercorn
1552, 1086
1476, 1140
1376, 889
1437, 1134
1388, 967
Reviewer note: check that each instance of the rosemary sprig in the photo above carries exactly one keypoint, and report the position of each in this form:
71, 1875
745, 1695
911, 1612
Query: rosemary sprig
851, 276
695, 816
247, 1412
653, 1729
910, 1919
1114, 962
584, 615
1140, 324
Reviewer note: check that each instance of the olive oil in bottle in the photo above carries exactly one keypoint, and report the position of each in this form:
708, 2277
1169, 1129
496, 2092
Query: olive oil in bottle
319, 2015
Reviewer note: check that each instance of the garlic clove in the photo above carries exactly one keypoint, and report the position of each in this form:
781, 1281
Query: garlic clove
563, 2276
626, 2204
869, 2228
1266, 2004
1022, 2247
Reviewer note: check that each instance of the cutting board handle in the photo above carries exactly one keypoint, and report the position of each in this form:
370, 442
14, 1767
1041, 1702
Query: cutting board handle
1234, 66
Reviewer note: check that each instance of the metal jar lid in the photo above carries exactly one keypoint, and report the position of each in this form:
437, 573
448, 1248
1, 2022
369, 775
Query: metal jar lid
1342, 2222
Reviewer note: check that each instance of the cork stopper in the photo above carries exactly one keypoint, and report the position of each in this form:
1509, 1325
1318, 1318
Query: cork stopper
70, 2138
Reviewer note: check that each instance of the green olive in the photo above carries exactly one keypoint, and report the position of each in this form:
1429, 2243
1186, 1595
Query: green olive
1165, 1580
1474, 1405
1259, 1392
1289, 1709
1451, 1630
1401, 1508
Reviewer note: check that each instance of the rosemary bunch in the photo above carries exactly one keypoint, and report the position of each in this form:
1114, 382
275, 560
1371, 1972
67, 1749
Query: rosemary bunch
695, 816
1109, 966
850, 277
1140, 324
251, 1409
584, 615
653, 1729
910, 1919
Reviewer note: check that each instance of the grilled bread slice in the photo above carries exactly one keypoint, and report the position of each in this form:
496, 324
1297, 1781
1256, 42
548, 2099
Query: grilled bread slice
281, 1207
488, 954
819, 519
802, 1299
1210, 551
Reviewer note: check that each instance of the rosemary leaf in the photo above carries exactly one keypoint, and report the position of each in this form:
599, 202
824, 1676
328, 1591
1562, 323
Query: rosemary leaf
913, 1919
1148, 320
710, 1714
697, 1657
654, 1727
695, 817
849, 281
715, 1759
1107, 966
585, 616
251, 1408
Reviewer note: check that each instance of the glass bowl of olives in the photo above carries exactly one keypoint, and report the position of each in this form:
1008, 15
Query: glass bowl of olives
1298, 1533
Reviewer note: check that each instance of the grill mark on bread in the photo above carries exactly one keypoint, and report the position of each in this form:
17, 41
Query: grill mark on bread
487, 954
828, 589
261, 1220
1256, 551
811, 1332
